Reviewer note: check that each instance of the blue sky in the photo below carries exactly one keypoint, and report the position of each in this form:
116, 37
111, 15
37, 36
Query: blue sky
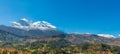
93, 16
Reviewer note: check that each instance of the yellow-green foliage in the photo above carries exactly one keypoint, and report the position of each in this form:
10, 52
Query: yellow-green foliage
59, 47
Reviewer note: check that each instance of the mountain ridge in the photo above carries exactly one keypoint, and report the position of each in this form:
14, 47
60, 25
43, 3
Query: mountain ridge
16, 33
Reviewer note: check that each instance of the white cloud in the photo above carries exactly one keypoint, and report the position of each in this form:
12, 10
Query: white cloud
106, 35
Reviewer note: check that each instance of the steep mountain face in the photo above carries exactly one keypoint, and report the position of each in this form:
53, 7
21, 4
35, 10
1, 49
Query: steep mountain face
9, 37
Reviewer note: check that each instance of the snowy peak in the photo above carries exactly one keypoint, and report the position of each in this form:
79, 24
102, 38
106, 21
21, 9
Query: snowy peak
106, 35
24, 22
42, 25
28, 25
24, 19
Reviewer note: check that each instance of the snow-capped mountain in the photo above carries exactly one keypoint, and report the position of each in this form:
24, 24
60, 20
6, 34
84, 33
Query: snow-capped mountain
24, 27
28, 25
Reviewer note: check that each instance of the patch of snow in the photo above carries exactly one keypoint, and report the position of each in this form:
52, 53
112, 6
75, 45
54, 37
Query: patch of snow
106, 35
24, 19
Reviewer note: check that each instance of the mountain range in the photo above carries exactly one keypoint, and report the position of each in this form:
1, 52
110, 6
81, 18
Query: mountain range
24, 27
27, 31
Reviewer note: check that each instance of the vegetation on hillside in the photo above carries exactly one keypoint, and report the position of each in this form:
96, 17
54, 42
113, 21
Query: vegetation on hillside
60, 46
